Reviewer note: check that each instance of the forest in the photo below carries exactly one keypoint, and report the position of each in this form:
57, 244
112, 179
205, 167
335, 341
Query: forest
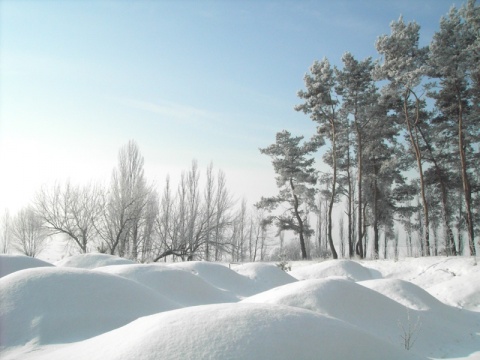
398, 139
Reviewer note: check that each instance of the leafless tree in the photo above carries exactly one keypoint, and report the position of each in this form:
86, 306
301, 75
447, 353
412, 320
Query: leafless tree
5, 232
28, 232
71, 210
125, 203
191, 224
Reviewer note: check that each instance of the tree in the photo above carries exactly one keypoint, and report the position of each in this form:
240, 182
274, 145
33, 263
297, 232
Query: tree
239, 233
404, 68
71, 210
295, 179
359, 100
321, 104
28, 232
125, 203
189, 225
5, 231
222, 215
454, 58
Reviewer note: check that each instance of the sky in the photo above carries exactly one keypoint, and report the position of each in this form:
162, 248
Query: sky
211, 81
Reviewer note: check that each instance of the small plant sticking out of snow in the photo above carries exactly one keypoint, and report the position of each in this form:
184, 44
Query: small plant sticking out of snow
283, 264
410, 330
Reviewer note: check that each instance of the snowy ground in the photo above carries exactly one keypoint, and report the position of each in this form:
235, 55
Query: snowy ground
102, 307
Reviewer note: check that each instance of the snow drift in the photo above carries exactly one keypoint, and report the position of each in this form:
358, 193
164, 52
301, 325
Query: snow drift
342, 268
343, 310
11, 263
404, 292
220, 276
377, 314
233, 331
92, 261
54, 305
264, 276
178, 285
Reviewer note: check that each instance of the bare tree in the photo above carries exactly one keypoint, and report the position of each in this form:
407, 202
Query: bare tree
28, 232
192, 224
71, 210
125, 203
5, 231
222, 217
240, 232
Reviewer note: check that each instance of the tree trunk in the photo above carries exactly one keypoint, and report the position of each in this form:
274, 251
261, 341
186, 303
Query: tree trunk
418, 156
450, 241
376, 236
300, 222
359, 247
332, 198
465, 182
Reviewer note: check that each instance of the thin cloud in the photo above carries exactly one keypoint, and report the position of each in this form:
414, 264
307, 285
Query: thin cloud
173, 111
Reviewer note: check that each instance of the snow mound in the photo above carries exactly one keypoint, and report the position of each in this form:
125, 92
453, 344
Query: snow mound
452, 280
178, 285
436, 332
265, 276
92, 261
11, 263
56, 305
220, 276
461, 291
405, 293
339, 298
233, 331
348, 269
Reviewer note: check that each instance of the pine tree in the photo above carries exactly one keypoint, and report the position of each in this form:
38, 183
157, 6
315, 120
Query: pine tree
404, 68
359, 98
322, 105
295, 178
454, 59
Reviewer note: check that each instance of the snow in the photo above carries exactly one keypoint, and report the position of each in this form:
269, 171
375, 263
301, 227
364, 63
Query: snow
452, 280
54, 305
92, 261
405, 293
233, 331
374, 312
98, 306
177, 285
342, 268
12, 263
265, 276
220, 276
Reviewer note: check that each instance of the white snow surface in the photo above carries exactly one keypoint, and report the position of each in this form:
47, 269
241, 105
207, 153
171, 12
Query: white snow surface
97, 306
341, 268
92, 261
12, 263
176, 284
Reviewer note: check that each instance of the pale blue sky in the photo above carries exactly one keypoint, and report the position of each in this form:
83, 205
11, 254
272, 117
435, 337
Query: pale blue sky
205, 80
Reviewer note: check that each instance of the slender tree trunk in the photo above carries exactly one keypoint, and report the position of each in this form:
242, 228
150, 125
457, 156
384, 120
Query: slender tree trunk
332, 198
349, 207
376, 235
385, 244
300, 222
465, 182
418, 156
359, 247
450, 241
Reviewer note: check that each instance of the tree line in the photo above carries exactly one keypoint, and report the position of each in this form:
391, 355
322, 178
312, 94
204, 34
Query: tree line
130, 218
401, 137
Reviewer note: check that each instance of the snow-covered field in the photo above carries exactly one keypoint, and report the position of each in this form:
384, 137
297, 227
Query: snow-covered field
102, 307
